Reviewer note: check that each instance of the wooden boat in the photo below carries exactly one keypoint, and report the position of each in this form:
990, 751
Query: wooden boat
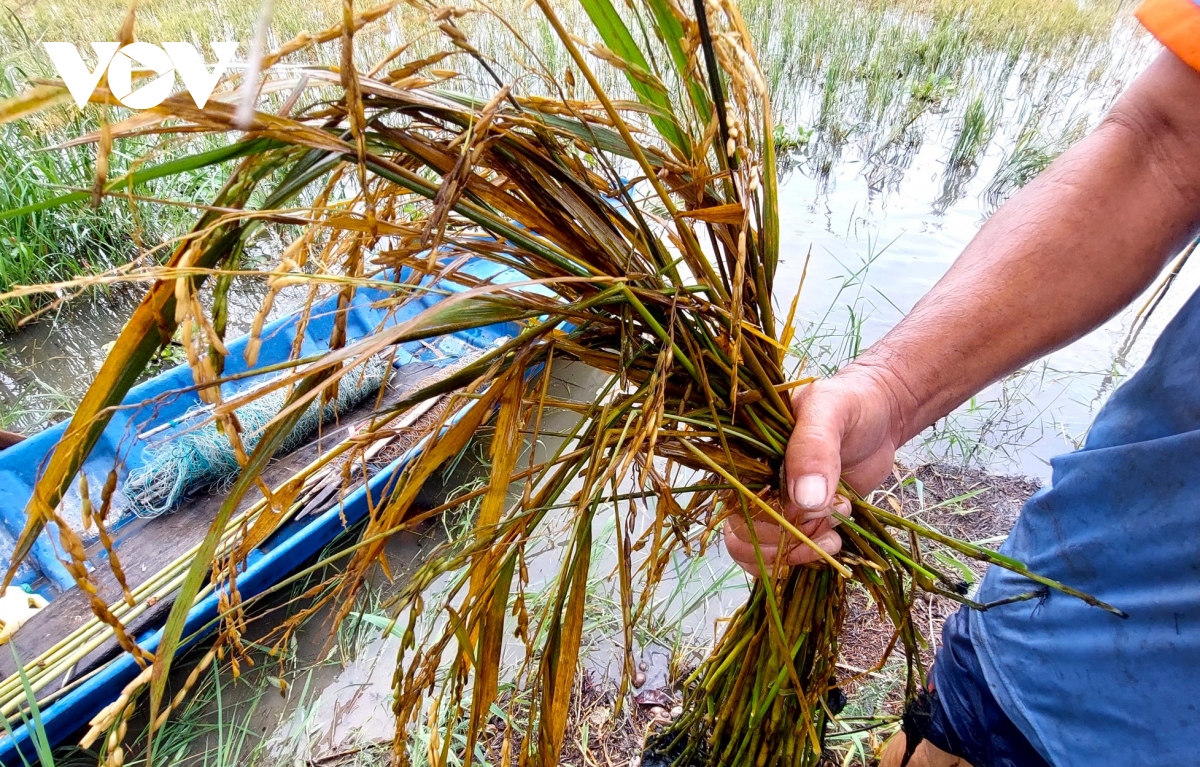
67, 701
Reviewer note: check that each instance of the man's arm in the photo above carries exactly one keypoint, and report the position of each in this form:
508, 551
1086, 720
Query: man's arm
1068, 252
1062, 256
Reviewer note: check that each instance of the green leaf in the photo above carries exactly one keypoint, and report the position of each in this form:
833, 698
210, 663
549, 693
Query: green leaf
949, 560
769, 232
37, 730
389, 626
175, 167
671, 31
617, 37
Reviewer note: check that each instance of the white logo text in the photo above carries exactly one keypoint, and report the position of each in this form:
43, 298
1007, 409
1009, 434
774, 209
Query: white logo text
165, 62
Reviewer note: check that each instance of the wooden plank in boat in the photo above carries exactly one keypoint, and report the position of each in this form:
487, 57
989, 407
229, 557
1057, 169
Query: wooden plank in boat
146, 546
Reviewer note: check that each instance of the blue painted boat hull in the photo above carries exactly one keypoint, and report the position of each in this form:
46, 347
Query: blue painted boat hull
158, 401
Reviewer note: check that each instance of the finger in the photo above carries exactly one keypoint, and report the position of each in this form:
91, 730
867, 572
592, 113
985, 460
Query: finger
825, 537
769, 532
742, 550
766, 530
813, 461
798, 553
815, 527
840, 505
769, 535
795, 550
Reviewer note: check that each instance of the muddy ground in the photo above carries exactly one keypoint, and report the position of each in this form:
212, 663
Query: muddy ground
967, 504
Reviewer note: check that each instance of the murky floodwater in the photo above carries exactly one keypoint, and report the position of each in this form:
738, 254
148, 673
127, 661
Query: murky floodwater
326, 693
46, 367
332, 694
875, 253
887, 205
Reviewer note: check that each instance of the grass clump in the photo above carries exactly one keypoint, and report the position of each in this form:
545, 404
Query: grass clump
1038, 24
26, 25
61, 243
58, 244
973, 136
1030, 155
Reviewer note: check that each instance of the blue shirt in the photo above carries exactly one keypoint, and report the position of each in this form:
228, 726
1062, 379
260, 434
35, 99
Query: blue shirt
1121, 521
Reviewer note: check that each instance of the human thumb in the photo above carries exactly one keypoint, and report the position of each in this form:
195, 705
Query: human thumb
813, 461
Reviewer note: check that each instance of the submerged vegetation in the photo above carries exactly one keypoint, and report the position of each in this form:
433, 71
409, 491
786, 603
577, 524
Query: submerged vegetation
880, 75
879, 80
621, 176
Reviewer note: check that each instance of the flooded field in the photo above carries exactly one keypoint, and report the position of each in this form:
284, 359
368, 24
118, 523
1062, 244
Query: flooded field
905, 132
905, 128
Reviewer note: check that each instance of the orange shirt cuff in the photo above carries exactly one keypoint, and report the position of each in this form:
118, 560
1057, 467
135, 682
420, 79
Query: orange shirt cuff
1176, 24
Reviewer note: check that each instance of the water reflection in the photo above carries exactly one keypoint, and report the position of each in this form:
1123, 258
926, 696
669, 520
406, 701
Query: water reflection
46, 367
922, 127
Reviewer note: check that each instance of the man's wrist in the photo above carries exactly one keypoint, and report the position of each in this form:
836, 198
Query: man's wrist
904, 406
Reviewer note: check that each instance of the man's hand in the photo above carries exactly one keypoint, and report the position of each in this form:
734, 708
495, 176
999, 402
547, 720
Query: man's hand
848, 426
1059, 258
